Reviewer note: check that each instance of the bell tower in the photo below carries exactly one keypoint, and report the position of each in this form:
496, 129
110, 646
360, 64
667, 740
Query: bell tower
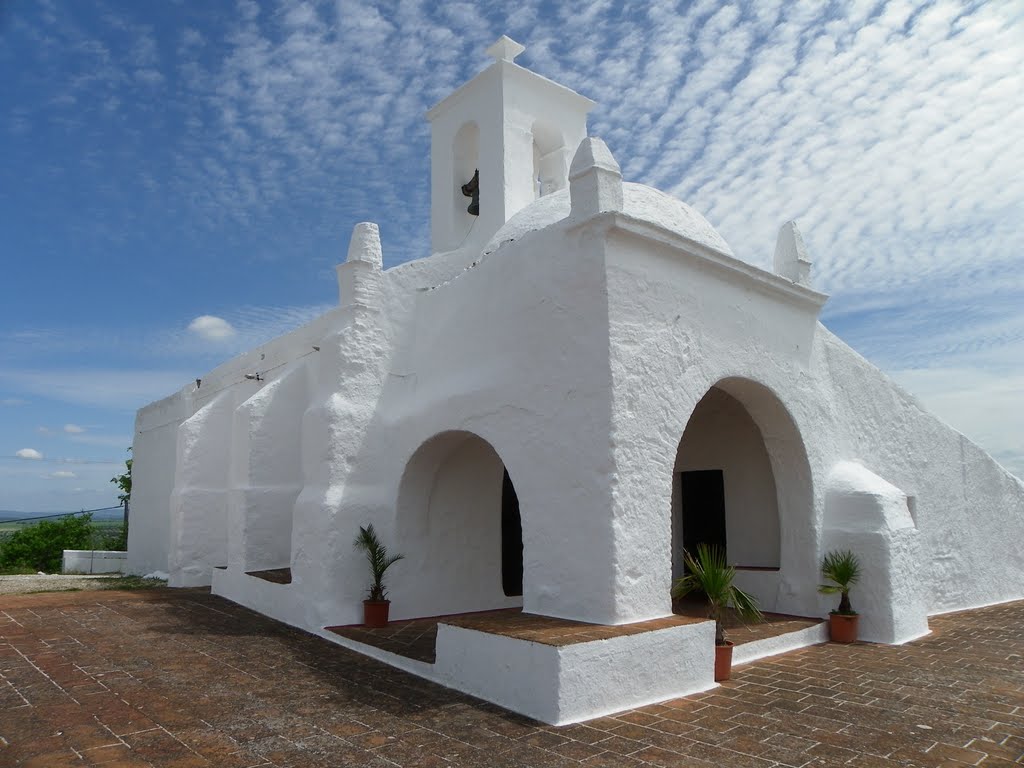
511, 130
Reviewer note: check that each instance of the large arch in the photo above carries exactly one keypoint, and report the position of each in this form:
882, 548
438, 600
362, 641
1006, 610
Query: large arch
458, 524
741, 457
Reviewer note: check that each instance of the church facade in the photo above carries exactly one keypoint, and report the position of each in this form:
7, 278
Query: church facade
581, 381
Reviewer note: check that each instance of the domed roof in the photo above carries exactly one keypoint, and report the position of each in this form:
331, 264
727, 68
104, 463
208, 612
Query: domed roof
639, 201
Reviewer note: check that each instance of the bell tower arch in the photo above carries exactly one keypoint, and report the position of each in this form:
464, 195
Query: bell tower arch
512, 130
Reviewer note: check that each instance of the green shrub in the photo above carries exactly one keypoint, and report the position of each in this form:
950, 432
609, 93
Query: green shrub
115, 540
41, 546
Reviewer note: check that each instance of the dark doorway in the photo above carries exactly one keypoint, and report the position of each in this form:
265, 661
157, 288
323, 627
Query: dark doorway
511, 540
703, 497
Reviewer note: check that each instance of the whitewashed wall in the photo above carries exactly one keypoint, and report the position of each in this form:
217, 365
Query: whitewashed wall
266, 472
199, 522
685, 317
968, 509
816, 403
156, 440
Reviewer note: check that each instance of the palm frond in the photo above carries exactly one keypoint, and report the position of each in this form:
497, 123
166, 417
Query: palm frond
378, 559
709, 573
842, 569
745, 605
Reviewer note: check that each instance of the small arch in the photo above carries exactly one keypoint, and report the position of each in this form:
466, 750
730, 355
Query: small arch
458, 522
550, 159
465, 162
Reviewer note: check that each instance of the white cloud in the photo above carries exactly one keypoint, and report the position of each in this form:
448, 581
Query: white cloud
251, 326
29, 453
73, 429
13, 401
62, 474
211, 328
45, 431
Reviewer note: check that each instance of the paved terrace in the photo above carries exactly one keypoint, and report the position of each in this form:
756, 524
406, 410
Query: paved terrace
182, 678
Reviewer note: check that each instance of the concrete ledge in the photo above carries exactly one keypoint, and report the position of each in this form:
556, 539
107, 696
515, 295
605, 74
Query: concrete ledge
412, 666
267, 597
571, 683
93, 561
772, 646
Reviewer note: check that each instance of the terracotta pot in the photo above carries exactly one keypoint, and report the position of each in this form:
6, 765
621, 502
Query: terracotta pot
842, 627
375, 613
723, 661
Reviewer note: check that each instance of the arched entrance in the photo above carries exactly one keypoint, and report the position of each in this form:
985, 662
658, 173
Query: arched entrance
741, 481
459, 526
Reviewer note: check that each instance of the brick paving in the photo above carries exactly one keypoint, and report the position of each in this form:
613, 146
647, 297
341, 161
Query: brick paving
169, 678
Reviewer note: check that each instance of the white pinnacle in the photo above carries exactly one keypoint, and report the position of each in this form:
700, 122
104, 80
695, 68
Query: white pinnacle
505, 49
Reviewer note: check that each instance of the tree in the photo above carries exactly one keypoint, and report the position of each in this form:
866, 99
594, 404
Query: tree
124, 482
119, 541
41, 546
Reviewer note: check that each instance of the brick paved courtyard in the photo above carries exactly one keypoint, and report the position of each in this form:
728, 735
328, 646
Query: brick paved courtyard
182, 678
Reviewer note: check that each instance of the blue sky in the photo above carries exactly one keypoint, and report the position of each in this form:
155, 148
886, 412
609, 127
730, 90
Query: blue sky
178, 179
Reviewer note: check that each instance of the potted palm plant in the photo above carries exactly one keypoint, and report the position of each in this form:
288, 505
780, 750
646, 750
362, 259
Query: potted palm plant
709, 574
376, 605
842, 570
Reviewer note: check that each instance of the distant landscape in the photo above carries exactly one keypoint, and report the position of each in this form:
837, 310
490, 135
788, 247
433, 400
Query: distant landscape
8, 515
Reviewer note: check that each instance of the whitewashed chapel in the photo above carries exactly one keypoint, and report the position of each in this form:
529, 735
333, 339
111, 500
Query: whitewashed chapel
532, 414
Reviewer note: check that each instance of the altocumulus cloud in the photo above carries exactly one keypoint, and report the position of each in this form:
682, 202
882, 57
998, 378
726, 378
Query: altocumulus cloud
211, 328
29, 453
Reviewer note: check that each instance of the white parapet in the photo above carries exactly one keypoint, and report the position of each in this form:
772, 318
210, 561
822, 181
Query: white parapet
93, 561
595, 180
791, 259
359, 276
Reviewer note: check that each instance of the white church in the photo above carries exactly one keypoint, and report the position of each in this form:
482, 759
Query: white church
532, 413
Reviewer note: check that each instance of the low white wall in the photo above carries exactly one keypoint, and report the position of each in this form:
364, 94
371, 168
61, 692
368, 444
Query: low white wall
773, 646
94, 561
568, 684
277, 601
519, 675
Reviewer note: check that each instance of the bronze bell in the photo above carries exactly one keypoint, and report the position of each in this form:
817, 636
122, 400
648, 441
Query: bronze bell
471, 189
